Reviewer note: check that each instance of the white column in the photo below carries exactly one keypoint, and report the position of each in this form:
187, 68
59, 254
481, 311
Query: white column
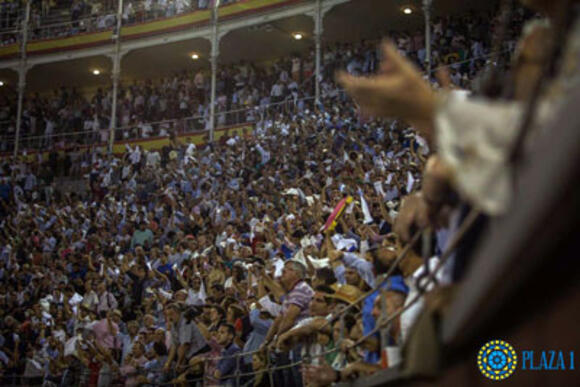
427, 12
318, 28
215, 50
115, 76
22, 70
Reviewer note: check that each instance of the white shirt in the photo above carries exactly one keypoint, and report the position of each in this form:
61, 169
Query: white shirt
135, 156
153, 159
125, 171
295, 65
146, 130
49, 129
196, 298
276, 90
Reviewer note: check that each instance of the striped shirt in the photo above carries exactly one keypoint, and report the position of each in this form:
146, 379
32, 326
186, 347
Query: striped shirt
300, 296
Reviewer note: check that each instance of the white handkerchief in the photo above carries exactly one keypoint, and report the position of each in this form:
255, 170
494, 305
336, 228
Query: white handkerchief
379, 188
410, 182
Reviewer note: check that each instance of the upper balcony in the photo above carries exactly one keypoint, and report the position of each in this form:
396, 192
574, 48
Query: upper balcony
94, 34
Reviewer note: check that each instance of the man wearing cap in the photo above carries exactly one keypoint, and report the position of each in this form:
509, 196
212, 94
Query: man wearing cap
346, 295
368, 269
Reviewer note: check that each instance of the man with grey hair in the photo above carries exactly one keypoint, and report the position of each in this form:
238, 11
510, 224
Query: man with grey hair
295, 308
296, 300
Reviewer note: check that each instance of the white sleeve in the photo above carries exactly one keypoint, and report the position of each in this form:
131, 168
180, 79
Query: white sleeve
475, 137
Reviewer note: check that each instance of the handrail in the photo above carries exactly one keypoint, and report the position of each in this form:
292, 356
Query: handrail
71, 22
175, 121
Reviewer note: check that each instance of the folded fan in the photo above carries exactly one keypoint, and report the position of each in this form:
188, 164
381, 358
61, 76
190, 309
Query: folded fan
332, 220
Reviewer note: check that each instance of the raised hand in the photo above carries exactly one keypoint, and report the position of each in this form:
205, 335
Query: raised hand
397, 91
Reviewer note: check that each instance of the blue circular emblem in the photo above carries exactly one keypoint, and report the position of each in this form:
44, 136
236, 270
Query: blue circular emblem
497, 360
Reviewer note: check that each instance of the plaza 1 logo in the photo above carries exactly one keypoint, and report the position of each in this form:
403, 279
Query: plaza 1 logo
498, 360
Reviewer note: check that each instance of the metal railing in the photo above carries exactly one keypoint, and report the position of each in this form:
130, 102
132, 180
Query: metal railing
10, 20
9, 37
89, 24
150, 130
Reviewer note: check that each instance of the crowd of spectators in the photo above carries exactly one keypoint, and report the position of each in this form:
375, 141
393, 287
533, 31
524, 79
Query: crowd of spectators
211, 264
179, 256
180, 103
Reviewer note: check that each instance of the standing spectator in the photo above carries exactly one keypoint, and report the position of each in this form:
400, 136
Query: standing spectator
186, 339
228, 364
142, 236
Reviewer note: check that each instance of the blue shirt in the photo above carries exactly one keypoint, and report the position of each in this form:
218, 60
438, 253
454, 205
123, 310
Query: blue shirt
257, 335
367, 317
166, 269
78, 274
5, 191
288, 253
363, 267
228, 367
